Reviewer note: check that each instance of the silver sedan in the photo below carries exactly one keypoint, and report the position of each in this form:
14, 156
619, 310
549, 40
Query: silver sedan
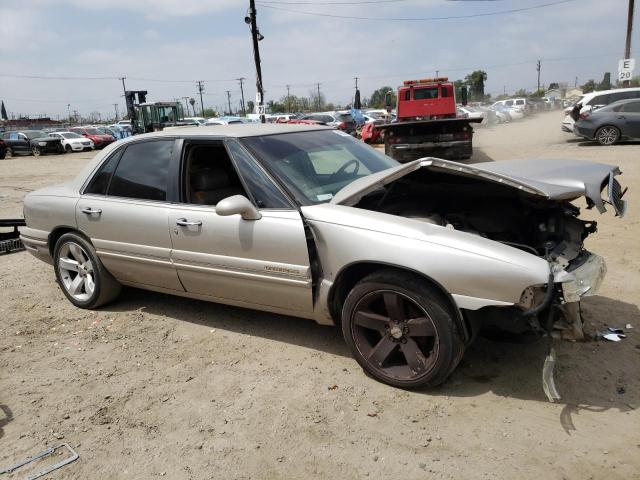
409, 260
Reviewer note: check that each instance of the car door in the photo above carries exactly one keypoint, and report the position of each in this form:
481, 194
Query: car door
630, 117
262, 263
20, 143
124, 211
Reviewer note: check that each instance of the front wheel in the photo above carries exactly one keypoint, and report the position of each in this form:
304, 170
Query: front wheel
80, 273
400, 330
36, 151
607, 135
9, 153
67, 148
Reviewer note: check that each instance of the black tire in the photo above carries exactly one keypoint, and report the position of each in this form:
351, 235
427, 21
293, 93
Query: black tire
35, 150
67, 148
9, 153
106, 288
607, 135
439, 346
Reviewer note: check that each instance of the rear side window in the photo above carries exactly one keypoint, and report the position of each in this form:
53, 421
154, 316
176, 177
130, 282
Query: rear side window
623, 95
100, 181
631, 107
519, 102
143, 171
599, 100
425, 93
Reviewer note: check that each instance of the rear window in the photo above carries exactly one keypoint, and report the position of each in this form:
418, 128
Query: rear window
425, 93
519, 102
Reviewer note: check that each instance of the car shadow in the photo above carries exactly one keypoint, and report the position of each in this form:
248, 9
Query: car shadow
593, 143
479, 156
7, 416
281, 328
590, 376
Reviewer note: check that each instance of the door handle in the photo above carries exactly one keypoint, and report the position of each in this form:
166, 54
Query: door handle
183, 222
621, 117
90, 211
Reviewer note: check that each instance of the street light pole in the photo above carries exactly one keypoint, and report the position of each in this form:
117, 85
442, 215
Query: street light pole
201, 89
229, 100
241, 80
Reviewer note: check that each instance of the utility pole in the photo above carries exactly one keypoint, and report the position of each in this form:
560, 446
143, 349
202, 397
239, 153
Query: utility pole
201, 89
627, 44
229, 100
241, 80
538, 69
115, 106
256, 37
318, 85
68, 112
356, 79
288, 100
437, 72
504, 90
575, 85
124, 88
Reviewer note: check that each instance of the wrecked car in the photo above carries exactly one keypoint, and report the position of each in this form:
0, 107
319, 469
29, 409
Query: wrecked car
410, 261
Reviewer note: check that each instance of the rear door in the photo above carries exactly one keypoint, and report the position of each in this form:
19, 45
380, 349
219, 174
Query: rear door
630, 116
262, 263
124, 211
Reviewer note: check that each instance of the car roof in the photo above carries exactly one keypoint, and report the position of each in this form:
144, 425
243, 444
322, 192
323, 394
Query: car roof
618, 103
239, 130
590, 95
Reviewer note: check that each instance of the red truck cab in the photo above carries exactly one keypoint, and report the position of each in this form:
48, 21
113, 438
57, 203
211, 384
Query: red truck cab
426, 99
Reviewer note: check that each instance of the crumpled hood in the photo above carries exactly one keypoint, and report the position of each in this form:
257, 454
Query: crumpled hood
552, 179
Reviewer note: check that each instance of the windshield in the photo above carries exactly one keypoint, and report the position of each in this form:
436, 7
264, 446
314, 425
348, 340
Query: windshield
32, 135
93, 131
71, 135
316, 165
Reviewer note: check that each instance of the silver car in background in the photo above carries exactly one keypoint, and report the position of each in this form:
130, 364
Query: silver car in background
409, 260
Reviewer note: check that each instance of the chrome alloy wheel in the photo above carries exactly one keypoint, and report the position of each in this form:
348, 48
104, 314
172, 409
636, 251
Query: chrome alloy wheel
607, 135
76, 271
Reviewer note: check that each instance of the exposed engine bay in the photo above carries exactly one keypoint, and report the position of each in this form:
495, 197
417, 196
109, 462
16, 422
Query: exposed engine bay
542, 227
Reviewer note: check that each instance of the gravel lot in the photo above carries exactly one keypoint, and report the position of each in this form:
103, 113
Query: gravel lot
154, 385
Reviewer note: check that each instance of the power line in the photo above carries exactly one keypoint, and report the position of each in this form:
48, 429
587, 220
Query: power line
418, 19
363, 2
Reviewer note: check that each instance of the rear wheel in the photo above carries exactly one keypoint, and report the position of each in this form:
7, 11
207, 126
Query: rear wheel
80, 273
9, 153
400, 330
607, 135
36, 151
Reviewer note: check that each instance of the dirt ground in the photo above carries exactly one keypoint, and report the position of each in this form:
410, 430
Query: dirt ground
155, 385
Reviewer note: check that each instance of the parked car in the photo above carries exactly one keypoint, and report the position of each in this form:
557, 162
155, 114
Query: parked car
471, 112
595, 100
223, 121
72, 142
340, 120
31, 142
196, 120
410, 260
99, 139
608, 125
502, 113
521, 104
3, 149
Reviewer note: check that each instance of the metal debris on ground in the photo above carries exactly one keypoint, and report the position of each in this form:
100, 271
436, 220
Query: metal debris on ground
49, 451
548, 383
611, 334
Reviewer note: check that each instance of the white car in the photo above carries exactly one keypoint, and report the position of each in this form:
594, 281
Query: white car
471, 112
198, 120
72, 142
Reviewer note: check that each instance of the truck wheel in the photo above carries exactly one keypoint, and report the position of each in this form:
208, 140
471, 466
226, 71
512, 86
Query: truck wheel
80, 273
400, 331
608, 135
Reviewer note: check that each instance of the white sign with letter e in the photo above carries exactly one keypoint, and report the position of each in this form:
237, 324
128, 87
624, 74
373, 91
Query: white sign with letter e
625, 69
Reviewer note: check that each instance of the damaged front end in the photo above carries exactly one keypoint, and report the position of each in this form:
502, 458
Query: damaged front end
525, 204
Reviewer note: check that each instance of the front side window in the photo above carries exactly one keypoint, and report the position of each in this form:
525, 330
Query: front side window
143, 171
315, 165
262, 188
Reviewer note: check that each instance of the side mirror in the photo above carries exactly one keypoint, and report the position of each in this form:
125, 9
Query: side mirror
238, 205
463, 94
387, 101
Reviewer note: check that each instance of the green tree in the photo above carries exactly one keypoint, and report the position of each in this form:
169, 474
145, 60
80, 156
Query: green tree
521, 93
554, 86
250, 106
605, 84
377, 99
476, 80
590, 86
538, 93
210, 112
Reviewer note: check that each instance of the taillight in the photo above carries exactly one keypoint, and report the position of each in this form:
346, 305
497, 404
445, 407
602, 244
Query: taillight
584, 116
342, 125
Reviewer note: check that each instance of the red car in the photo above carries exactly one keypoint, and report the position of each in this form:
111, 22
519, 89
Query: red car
99, 139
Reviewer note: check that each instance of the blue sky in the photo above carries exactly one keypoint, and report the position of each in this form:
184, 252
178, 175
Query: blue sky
173, 44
